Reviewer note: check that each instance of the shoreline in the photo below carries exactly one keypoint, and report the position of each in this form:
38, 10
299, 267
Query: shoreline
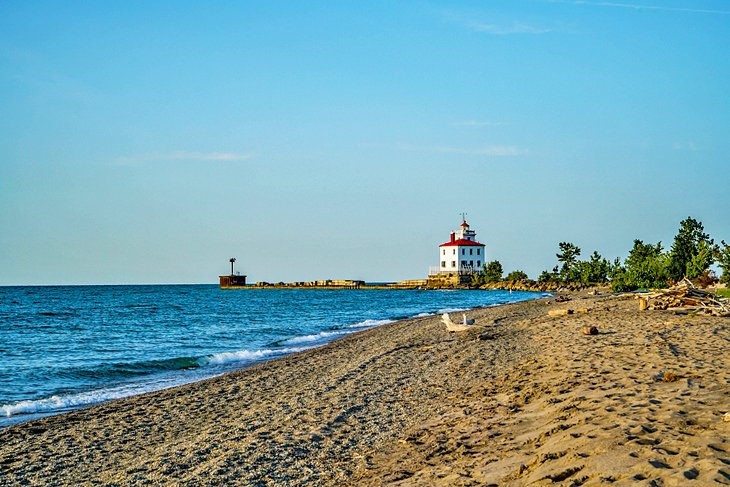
410, 402
31, 410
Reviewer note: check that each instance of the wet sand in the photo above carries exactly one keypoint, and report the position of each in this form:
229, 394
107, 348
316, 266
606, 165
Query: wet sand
531, 401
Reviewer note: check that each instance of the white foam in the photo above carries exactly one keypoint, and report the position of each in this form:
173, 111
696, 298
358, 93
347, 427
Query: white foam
327, 334
423, 315
371, 323
244, 355
321, 336
451, 310
316, 337
63, 402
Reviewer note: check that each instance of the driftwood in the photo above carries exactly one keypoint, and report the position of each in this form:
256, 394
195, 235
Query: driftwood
451, 326
686, 298
560, 312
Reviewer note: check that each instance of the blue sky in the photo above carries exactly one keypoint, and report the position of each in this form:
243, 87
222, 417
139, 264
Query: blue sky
149, 142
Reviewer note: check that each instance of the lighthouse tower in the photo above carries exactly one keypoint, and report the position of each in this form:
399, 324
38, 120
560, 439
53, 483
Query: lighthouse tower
462, 254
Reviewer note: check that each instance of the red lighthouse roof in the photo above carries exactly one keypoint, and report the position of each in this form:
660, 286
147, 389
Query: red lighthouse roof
463, 243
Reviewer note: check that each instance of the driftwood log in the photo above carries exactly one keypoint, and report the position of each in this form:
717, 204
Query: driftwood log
686, 298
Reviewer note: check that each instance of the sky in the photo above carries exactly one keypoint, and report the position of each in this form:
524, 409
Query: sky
149, 142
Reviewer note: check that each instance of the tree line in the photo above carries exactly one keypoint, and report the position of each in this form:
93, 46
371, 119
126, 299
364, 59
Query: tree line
648, 265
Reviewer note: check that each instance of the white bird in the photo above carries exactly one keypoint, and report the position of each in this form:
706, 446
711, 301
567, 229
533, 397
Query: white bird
467, 322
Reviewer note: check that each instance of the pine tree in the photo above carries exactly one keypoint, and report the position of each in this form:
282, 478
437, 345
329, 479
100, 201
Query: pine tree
568, 255
686, 248
492, 271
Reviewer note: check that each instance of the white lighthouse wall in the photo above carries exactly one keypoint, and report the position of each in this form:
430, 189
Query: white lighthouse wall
474, 259
448, 258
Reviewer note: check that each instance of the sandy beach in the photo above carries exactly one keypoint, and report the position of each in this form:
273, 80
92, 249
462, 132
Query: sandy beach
524, 398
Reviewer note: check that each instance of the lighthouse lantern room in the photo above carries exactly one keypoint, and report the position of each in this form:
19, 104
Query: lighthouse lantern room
462, 254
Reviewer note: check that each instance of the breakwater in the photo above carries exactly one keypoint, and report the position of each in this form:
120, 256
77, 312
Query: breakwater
434, 282
335, 284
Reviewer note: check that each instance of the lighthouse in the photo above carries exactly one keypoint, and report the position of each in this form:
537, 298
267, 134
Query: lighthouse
462, 254
235, 280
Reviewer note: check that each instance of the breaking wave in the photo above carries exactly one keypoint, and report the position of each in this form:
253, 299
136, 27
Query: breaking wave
245, 355
316, 337
63, 402
371, 323
451, 310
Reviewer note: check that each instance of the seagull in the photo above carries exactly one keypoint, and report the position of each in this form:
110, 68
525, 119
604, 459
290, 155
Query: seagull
467, 322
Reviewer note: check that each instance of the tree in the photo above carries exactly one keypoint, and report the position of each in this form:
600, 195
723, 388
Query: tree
492, 271
699, 264
616, 269
516, 276
645, 267
548, 276
594, 270
686, 247
568, 256
722, 255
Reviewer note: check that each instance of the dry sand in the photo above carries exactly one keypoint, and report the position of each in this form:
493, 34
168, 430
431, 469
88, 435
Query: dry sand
537, 402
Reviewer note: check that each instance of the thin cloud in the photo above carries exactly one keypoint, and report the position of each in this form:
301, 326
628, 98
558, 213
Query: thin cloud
637, 6
208, 156
476, 123
685, 146
503, 30
186, 156
492, 28
490, 150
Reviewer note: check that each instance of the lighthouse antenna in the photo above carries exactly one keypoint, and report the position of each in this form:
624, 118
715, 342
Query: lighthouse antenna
463, 216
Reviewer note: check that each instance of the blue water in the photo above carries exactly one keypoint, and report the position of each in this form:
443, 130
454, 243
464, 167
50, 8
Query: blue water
65, 347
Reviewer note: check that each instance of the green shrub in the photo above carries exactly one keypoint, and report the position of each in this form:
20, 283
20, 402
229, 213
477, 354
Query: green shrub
548, 276
492, 271
722, 254
646, 267
516, 276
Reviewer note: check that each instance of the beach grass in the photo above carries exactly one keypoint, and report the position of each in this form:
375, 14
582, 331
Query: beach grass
724, 292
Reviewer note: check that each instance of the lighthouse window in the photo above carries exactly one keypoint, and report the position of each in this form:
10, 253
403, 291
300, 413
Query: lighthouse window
443, 263
478, 251
454, 251
444, 252
453, 263
463, 251
471, 251
479, 262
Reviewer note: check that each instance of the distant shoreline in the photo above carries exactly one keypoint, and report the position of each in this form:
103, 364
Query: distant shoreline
422, 284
